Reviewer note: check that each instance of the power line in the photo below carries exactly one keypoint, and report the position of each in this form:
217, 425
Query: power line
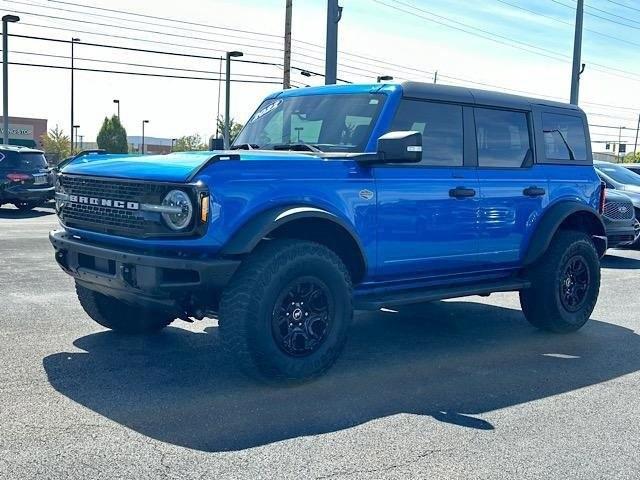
146, 65
138, 21
570, 24
598, 16
370, 59
144, 74
623, 5
162, 52
509, 41
75, 4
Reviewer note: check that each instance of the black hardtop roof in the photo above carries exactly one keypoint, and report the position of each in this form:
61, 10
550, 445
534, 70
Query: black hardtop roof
448, 93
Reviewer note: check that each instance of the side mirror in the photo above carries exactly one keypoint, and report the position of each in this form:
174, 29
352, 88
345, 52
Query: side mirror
400, 147
216, 143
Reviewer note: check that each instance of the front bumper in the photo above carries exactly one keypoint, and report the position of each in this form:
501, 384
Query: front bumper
176, 284
619, 235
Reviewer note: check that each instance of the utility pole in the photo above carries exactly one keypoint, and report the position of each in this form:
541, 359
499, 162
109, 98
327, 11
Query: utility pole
334, 13
6, 20
144, 122
435, 77
286, 78
635, 146
577, 52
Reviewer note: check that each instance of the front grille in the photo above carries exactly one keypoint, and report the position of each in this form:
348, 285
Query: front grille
619, 210
109, 219
111, 188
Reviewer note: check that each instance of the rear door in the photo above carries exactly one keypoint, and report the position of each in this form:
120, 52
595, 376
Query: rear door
513, 188
427, 212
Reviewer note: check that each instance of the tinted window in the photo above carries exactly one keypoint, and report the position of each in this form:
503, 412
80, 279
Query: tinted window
619, 174
331, 122
441, 128
22, 161
564, 137
503, 138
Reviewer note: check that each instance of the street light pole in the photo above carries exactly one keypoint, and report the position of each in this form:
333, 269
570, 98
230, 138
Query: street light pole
577, 52
227, 103
383, 78
143, 123
620, 140
6, 20
73, 42
117, 102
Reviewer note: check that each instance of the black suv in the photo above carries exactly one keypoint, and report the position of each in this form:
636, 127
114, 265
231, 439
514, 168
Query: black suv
25, 178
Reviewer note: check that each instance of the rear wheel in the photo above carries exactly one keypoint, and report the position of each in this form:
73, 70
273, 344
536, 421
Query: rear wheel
287, 311
564, 284
119, 316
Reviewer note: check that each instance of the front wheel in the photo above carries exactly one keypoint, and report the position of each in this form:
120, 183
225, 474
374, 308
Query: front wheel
564, 284
287, 311
120, 316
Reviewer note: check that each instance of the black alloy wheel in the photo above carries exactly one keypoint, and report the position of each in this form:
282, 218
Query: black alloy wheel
574, 283
302, 317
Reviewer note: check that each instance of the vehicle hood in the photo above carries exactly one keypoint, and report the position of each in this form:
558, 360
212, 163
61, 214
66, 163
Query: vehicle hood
174, 167
633, 193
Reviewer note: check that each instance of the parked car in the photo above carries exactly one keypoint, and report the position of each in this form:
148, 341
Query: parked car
634, 167
619, 178
25, 178
622, 226
338, 198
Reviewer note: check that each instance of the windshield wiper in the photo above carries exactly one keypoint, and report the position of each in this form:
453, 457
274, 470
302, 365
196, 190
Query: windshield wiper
564, 140
297, 147
245, 146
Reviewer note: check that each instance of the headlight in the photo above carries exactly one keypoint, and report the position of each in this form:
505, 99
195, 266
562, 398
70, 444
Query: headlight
181, 217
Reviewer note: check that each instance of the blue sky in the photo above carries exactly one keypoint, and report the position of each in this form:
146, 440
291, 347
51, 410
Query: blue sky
416, 36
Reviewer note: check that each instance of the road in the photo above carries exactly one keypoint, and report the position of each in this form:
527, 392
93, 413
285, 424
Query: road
459, 389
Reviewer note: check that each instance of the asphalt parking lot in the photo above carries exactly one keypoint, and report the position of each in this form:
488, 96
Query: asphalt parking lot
454, 389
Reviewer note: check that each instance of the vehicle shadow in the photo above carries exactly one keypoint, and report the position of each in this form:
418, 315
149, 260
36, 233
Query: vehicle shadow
10, 212
450, 360
617, 262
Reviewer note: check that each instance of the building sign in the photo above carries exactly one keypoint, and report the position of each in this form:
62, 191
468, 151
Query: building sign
24, 132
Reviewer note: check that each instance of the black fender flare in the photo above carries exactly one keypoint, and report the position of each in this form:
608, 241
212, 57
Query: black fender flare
245, 239
551, 221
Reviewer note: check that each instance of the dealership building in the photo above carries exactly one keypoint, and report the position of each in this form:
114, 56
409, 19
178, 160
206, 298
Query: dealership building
25, 131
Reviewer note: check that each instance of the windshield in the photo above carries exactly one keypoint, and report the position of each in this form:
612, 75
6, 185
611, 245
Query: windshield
620, 174
330, 123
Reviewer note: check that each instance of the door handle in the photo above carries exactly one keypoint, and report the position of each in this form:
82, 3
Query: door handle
533, 191
462, 192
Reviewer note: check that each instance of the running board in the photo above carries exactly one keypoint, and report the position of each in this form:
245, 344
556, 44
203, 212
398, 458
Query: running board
375, 301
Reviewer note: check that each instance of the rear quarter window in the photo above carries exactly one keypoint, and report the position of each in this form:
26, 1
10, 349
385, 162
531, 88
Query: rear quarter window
564, 137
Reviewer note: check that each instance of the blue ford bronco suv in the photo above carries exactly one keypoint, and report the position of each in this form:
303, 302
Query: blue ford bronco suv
338, 198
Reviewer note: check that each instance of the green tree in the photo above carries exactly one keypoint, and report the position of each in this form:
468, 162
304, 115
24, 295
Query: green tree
632, 157
189, 143
56, 143
112, 136
234, 127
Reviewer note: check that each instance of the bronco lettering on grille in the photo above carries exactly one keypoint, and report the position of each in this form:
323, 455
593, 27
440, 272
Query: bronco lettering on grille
104, 202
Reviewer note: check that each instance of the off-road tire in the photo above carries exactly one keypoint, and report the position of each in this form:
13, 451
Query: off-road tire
249, 303
119, 316
541, 303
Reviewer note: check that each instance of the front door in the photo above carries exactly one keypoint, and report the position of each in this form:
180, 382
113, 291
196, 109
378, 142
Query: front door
427, 212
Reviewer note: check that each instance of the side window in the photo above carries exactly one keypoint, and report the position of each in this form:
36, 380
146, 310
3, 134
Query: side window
503, 138
441, 128
564, 137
